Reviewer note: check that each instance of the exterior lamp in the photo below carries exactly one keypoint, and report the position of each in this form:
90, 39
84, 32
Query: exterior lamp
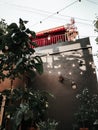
62, 79
73, 85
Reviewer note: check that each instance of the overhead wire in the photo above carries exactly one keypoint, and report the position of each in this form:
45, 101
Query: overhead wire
40, 12
45, 13
76, 18
57, 12
93, 2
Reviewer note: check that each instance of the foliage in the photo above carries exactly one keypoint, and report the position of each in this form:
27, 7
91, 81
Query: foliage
96, 27
87, 111
24, 105
48, 125
17, 60
17, 51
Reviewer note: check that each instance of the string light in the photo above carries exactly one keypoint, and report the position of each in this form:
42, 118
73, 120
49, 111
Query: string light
40, 21
51, 15
42, 12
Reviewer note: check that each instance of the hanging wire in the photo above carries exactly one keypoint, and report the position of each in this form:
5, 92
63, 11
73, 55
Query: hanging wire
76, 18
67, 6
38, 11
56, 12
42, 12
93, 2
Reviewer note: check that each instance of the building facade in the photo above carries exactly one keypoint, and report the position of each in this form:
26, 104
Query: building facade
68, 69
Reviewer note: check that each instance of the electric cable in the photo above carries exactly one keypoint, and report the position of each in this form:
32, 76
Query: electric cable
40, 12
56, 12
92, 2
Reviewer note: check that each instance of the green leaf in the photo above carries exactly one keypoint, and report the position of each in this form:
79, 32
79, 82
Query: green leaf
31, 32
12, 28
22, 26
28, 115
31, 50
33, 44
19, 62
39, 68
31, 73
96, 40
38, 59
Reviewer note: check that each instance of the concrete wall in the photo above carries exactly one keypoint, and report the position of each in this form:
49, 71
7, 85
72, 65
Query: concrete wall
75, 63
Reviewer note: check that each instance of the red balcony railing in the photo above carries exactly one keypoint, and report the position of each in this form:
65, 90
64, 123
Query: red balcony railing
53, 39
50, 40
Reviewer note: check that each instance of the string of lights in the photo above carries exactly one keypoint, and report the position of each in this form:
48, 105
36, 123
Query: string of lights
55, 15
44, 13
67, 6
50, 15
56, 12
30, 8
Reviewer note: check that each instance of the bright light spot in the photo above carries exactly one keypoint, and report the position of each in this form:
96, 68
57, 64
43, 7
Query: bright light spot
74, 87
70, 73
50, 72
59, 72
73, 65
48, 66
90, 63
48, 37
81, 72
59, 66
